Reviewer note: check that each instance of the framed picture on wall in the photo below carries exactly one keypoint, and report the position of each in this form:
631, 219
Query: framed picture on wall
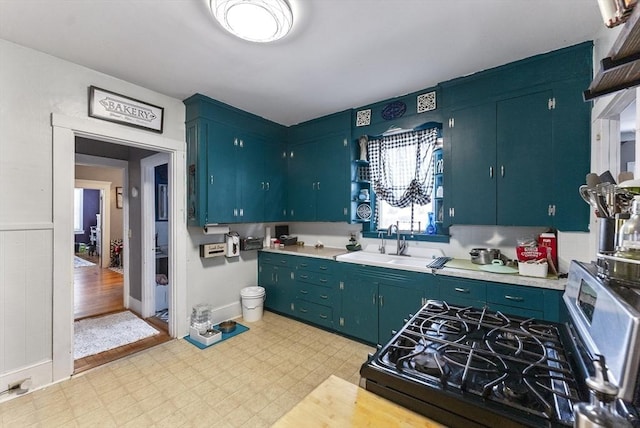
118, 197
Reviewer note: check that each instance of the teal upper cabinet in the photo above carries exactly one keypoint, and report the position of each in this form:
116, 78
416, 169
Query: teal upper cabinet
318, 169
469, 156
236, 165
516, 144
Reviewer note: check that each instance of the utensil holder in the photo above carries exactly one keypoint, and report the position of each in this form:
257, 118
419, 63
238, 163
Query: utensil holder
607, 238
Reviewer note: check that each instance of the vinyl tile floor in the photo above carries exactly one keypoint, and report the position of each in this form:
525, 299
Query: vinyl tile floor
250, 380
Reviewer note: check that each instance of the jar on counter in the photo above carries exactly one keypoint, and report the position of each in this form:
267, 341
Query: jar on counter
629, 234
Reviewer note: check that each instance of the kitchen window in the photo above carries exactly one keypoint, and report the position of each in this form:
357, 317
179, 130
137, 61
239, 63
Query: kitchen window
402, 177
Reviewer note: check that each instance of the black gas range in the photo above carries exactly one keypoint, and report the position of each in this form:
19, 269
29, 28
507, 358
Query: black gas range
472, 367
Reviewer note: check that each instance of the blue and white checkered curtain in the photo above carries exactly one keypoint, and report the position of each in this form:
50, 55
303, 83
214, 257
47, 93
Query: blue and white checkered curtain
401, 167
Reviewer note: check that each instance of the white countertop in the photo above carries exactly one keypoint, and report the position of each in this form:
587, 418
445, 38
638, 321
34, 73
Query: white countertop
514, 279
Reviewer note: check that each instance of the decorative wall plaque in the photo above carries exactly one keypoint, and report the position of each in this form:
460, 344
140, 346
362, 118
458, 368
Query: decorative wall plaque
394, 110
427, 102
107, 105
363, 117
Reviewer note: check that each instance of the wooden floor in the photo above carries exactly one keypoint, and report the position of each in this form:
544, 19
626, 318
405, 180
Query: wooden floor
99, 291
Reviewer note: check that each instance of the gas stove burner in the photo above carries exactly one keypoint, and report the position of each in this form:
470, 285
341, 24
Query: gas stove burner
430, 363
539, 329
514, 391
483, 316
438, 328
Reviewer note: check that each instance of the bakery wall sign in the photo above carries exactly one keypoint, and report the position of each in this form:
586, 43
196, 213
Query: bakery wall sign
107, 105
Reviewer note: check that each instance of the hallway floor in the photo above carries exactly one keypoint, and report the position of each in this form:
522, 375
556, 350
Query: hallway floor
97, 292
250, 380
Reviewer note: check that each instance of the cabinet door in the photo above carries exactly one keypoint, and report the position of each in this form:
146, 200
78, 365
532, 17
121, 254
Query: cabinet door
197, 172
396, 303
360, 309
469, 177
275, 172
302, 182
221, 189
250, 167
525, 168
571, 155
332, 184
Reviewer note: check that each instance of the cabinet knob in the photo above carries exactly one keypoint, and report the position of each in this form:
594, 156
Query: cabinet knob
491, 172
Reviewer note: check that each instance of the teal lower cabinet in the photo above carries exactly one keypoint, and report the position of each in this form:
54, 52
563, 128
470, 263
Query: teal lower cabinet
316, 287
463, 292
276, 275
519, 300
375, 302
530, 302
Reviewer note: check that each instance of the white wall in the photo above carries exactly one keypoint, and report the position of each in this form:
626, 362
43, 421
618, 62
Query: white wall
34, 85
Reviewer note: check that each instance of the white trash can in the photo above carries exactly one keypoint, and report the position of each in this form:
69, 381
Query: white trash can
252, 303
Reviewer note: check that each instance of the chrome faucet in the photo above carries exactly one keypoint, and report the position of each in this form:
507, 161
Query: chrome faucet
381, 246
400, 247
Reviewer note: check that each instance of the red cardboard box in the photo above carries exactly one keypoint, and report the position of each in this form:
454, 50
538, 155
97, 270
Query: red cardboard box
549, 240
530, 252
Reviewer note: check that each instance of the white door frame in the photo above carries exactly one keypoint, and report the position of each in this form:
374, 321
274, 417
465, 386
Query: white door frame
65, 130
105, 212
147, 166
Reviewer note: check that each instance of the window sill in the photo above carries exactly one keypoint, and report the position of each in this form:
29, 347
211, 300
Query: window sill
408, 236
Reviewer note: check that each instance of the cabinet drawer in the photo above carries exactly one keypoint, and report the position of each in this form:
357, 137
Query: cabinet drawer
315, 313
521, 312
323, 280
455, 290
517, 296
276, 259
314, 265
314, 293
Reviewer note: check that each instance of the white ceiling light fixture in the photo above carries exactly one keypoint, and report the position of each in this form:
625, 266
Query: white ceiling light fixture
254, 20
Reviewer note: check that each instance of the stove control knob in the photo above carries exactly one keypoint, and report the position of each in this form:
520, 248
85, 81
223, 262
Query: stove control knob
600, 412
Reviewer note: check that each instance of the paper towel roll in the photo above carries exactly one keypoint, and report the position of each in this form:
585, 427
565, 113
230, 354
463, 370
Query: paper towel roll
215, 229
267, 236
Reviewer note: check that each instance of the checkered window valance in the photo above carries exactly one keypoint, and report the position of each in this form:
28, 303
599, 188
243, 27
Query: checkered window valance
401, 167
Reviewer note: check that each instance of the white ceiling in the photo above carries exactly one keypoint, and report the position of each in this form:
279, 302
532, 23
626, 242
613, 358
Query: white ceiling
340, 53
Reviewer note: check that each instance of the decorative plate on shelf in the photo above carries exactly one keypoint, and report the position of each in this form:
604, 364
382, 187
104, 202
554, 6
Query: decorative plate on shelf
364, 211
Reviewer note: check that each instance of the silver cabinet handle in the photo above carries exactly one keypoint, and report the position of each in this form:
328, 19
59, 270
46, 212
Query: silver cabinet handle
304, 292
304, 311
262, 185
304, 276
491, 171
241, 212
304, 265
381, 300
314, 185
268, 186
324, 317
462, 290
502, 170
318, 185
514, 298
324, 281
324, 296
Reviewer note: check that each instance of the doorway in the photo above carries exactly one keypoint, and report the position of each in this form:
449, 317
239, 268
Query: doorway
65, 131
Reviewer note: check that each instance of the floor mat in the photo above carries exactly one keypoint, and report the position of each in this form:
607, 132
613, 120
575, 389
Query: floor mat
239, 329
95, 335
78, 262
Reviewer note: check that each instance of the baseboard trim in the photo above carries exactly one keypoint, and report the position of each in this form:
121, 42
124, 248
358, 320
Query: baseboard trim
135, 306
40, 375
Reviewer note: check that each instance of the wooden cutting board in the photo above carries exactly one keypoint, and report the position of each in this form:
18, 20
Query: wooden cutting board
338, 403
